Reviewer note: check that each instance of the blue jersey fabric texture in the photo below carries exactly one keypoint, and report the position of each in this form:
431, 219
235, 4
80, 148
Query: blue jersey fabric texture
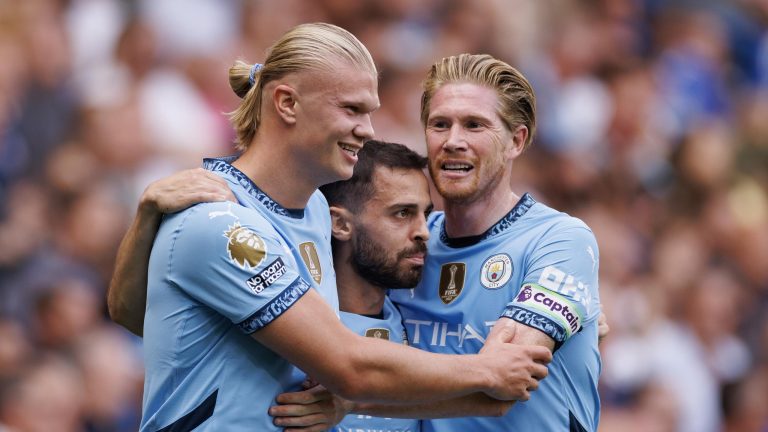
390, 327
219, 272
537, 266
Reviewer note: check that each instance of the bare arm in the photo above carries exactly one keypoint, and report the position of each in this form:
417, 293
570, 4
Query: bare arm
474, 405
478, 404
127, 294
372, 370
318, 409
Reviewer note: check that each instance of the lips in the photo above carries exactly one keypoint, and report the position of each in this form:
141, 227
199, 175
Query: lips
456, 166
417, 259
415, 254
453, 168
350, 149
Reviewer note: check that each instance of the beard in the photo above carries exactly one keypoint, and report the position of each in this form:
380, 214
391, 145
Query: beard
451, 191
373, 263
485, 176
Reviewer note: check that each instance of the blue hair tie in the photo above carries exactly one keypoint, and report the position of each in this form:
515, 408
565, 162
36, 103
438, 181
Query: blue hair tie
252, 76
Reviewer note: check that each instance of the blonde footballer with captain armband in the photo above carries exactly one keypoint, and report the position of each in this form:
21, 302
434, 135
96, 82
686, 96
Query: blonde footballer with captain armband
499, 262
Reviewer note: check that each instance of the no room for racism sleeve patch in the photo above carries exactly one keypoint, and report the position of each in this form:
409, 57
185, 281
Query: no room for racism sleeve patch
545, 310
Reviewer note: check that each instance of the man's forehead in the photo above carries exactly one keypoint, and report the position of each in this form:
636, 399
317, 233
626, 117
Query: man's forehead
400, 184
346, 80
464, 98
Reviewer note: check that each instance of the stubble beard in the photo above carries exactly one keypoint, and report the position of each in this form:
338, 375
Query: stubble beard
468, 193
371, 261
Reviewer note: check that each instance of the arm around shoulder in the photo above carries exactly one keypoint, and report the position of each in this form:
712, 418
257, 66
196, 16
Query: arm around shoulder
127, 293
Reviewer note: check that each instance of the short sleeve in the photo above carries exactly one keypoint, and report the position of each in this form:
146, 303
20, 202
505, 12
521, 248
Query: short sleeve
231, 259
559, 291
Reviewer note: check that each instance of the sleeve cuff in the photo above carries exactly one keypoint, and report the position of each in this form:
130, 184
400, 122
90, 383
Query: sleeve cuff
276, 307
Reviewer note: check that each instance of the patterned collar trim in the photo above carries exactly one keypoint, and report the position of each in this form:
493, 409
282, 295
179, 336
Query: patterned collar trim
224, 165
521, 208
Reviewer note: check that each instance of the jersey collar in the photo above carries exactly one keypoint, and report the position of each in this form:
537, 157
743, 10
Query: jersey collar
521, 208
224, 165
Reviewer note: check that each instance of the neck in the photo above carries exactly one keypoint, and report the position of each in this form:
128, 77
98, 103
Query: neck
464, 219
275, 173
356, 295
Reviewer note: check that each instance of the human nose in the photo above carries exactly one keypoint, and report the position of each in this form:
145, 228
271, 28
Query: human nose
455, 139
364, 129
420, 231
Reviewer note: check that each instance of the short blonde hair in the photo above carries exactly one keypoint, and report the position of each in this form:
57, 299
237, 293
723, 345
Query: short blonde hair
517, 101
316, 46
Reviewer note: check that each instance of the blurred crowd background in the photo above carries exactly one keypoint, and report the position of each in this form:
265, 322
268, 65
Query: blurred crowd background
653, 122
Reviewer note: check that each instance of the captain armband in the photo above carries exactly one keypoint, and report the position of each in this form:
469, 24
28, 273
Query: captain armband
545, 310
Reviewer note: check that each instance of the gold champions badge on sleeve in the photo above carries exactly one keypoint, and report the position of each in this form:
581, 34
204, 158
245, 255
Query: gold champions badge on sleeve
377, 333
451, 281
309, 255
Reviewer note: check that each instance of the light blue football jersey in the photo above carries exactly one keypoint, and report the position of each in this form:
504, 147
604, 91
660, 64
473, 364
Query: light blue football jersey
219, 272
389, 327
536, 266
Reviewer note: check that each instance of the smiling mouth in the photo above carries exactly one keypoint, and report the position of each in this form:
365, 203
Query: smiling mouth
352, 151
456, 167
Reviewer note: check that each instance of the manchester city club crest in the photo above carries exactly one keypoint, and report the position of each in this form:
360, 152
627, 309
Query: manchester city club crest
309, 255
496, 271
245, 247
451, 281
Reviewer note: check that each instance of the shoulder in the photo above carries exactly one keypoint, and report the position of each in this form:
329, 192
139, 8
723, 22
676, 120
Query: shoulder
317, 206
554, 223
203, 228
317, 199
435, 220
205, 216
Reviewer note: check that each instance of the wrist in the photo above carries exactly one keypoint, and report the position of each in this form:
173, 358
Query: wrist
484, 379
147, 212
148, 201
349, 406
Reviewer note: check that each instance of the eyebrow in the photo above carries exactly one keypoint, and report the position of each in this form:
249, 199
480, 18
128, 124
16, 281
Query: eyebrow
410, 206
462, 117
359, 105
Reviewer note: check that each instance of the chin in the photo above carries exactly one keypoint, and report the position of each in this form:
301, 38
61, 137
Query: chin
455, 194
339, 175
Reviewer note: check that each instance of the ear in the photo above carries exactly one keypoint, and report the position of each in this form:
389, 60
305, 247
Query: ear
285, 101
341, 223
519, 136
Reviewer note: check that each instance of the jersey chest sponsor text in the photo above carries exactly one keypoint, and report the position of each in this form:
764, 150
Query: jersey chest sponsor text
444, 334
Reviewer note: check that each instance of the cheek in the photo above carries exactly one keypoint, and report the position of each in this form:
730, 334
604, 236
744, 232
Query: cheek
433, 144
493, 151
390, 235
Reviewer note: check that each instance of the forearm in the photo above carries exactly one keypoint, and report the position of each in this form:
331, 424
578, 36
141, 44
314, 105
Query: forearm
404, 375
310, 335
368, 369
473, 405
127, 294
